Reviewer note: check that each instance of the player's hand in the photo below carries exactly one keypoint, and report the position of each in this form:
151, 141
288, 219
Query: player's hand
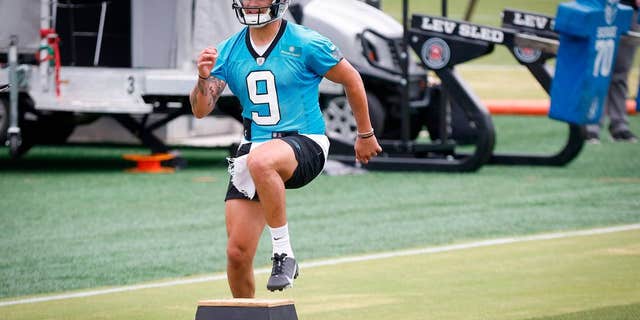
206, 60
366, 148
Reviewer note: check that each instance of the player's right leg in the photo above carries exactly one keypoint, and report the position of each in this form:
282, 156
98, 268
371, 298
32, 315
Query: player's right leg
245, 223
271, 164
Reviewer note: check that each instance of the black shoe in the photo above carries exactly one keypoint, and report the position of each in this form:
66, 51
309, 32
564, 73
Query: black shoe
284, 271
624, 136
592, 137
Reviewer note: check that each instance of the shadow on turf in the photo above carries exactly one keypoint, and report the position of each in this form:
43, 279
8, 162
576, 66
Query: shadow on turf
99, 158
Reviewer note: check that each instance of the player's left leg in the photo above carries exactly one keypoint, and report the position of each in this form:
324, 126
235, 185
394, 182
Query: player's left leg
245, 223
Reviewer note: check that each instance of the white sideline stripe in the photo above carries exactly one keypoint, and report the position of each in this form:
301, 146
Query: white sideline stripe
330, 262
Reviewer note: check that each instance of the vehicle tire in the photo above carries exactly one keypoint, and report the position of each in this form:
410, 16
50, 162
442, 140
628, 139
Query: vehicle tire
340, 122
15, 150
4, 119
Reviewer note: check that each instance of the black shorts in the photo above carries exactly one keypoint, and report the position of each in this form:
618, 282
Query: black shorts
310, 159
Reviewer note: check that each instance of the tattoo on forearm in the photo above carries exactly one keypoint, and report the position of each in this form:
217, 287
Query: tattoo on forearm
210, 88
216, 86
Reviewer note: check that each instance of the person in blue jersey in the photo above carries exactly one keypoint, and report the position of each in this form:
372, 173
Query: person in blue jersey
274, 68
616, 104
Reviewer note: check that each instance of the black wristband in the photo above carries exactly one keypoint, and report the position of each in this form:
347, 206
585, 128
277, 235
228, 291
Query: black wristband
203, 78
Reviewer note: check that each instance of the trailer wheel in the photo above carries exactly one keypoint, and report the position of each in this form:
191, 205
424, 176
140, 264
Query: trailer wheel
14, 146
4, 119
341, 123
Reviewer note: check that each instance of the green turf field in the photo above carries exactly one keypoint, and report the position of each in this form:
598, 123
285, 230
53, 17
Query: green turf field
578, 277
71, 219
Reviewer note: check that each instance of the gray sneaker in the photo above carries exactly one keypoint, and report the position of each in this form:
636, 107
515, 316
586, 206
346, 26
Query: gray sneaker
624, 136
284, 271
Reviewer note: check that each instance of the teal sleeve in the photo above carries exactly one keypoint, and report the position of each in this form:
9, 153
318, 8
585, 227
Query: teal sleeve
322, 55
220, 69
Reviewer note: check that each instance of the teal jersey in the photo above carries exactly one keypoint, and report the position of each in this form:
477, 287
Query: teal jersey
278, 91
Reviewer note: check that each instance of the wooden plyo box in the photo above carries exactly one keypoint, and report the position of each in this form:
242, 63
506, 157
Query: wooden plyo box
246, 309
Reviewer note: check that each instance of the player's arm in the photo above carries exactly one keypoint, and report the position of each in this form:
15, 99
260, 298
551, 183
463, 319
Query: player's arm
205, 94
366, 145
344, 73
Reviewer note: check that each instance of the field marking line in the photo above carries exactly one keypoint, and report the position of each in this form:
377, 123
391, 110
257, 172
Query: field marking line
331, 262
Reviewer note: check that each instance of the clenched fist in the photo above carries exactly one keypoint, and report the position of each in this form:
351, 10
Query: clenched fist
206, 61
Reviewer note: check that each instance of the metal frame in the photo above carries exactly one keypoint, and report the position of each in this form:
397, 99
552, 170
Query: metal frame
471, 48
132, 112
545, 40
404, 154
407, 155
14, 136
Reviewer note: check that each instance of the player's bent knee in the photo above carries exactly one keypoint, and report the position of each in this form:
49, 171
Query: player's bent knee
259, 164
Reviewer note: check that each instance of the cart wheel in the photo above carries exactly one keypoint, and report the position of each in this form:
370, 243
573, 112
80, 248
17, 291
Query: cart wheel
340, 122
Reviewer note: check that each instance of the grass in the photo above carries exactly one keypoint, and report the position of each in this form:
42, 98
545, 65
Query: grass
73, 219
620, 312
585, 277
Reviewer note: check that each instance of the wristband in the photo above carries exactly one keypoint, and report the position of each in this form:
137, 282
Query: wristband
203, 78
365, 135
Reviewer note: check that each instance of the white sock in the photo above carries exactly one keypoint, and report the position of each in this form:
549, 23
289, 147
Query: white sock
280, 240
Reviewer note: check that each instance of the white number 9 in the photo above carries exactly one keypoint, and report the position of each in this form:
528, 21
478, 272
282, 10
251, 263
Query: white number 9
270, 97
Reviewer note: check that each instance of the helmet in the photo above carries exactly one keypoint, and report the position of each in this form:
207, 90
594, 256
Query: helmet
273, 12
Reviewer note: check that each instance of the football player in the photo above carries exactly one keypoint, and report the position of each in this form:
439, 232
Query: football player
274, 67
